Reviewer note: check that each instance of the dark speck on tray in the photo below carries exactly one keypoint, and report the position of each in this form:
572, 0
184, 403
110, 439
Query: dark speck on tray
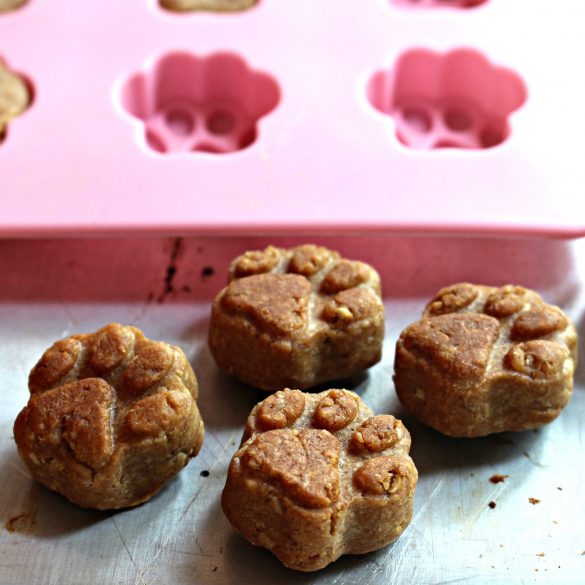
497, 478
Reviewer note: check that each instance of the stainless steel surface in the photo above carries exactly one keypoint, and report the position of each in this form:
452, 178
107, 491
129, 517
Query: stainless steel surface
53, 289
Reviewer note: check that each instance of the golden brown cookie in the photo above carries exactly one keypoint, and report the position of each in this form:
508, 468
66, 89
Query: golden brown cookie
14, 97
317, 476
209, 5
111, 417
485, 360
297, 318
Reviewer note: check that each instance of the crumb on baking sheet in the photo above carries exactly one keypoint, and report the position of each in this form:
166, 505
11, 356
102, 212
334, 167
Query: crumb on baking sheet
24, 523
498, 478
540, 554
534, 501
492, 504
204, 473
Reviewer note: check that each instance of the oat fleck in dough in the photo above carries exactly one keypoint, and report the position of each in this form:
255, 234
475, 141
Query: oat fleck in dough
317, 476
14, 95
484, 360
209, 5
111, 417
297, 318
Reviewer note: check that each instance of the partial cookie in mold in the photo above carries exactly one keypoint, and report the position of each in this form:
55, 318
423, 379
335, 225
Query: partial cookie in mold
457, 4
200, 104
454, 100
15, 96
10, 5
207, 5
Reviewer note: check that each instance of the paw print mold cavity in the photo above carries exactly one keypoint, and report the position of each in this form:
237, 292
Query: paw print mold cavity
15, 96
111, 417
297, 318
207, 5
453, 100
318, 476
438, 3
210, 104
485, 360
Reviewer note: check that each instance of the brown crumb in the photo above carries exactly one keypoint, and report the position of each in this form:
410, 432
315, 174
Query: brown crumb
498, 478
540, 554
492, 505
534, 501
583, 554
24, 523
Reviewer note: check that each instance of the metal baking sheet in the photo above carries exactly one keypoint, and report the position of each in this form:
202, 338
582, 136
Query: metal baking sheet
51, 289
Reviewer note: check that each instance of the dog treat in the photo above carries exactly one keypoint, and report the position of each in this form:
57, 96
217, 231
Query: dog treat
210, 5
297, 318
485, 360
317, 476
14, 95
111, 417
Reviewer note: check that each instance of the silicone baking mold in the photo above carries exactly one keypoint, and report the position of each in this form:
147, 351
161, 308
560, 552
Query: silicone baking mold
354, 116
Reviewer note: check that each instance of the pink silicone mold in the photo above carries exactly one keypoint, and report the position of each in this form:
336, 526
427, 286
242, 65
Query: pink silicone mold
388, 119
207, 104
439, 3
455, 100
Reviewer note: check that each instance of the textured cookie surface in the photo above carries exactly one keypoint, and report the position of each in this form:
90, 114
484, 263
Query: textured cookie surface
111, 417
297, 318
318, 476
210, 5
485, 360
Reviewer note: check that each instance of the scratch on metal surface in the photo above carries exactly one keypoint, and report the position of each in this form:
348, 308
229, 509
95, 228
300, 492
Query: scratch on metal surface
533, 461
194, 554
141, 576
482, 507
124, 542
404, 544
21, 471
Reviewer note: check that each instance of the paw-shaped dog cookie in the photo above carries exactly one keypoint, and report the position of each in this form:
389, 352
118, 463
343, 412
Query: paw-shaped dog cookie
209, 5
317, 476
14, 96
111, 417
485, 360
297, 318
